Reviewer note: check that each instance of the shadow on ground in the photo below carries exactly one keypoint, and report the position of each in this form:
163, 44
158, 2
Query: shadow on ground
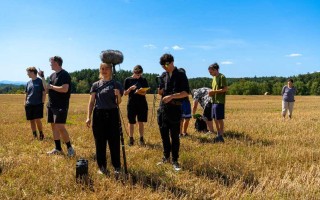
247, 139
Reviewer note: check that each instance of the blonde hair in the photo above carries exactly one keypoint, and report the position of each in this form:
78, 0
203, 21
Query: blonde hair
101, 65
32, 69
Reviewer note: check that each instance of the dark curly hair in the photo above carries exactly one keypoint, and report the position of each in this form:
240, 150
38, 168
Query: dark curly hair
166, 59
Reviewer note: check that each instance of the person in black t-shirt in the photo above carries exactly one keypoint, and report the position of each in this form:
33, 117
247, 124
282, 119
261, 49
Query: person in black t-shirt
35, 97
174, 89
137, 106
59, 90
105, 94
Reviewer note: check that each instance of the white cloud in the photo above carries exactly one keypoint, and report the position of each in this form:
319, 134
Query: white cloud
177, 48
298, 63
294, 55
226, 63
166, 48
149, 46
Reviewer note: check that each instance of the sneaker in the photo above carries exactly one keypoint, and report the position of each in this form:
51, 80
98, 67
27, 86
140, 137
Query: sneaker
103, 171
41, 137
209, 133
142, 142
117, 173
55, 152
184, 134
131, 141
71, 152
176, 166
163, 161
219, 138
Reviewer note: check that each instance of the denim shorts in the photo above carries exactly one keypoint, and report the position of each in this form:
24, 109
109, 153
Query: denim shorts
218, 111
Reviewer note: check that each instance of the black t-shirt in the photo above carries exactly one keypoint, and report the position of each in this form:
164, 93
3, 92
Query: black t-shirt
59, 99
105, 98
177, 83
140, 83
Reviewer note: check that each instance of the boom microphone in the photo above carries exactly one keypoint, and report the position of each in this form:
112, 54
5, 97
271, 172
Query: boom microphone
111, 56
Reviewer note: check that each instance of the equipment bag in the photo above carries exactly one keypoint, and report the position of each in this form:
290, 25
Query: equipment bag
200, 125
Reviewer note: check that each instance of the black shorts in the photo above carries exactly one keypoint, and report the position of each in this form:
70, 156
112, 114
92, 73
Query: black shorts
207, 112
57, 115
140, 112
34, 111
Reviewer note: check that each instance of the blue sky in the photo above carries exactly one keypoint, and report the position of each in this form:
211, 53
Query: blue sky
246, 37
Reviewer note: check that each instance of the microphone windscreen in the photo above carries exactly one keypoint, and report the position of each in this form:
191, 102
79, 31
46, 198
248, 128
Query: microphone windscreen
111, 56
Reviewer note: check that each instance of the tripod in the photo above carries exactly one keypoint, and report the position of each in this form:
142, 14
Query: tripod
120, 126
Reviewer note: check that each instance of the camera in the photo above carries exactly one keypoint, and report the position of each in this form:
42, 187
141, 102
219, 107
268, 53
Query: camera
159, 81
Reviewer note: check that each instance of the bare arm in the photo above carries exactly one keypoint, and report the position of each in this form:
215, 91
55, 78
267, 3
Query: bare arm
160, 91
25, 99
133, 87
91, 103
194, 107
44, 96
44, 83
118, 96
222, 90
62, 89
179, 95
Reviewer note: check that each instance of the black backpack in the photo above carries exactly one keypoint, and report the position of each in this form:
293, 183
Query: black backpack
200, 125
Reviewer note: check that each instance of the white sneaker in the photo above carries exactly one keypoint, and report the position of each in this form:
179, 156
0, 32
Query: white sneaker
71, 152
176, 166
209, 133
55, 152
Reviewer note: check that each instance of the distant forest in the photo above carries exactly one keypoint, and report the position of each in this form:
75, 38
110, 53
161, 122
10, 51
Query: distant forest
306, 84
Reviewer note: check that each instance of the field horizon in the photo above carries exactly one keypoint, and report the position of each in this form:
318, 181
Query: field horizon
263, 157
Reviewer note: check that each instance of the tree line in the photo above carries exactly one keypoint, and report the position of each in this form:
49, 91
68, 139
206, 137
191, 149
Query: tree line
306, 84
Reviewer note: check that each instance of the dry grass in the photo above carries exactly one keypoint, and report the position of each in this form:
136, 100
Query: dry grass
263, 157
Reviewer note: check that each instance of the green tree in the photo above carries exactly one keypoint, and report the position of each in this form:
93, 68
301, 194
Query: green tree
83, 87
315, 88
277, 88
300, 87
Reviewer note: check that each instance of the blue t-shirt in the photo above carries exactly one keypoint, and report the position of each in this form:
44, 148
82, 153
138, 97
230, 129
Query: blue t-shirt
34, 90
105, 98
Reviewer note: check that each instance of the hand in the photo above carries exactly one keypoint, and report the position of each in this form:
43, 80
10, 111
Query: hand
133, 87
116, 92
160, 91
41, 73
49, 86
88, 122
167, 99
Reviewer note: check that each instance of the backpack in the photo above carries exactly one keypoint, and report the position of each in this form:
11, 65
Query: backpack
200, 125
